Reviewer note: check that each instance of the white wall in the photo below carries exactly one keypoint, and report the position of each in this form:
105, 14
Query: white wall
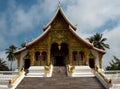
22, 55
95, 53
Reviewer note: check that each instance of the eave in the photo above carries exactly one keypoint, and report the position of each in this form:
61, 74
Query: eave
32, 42
86, 42
99, 50
39, 37
19, 50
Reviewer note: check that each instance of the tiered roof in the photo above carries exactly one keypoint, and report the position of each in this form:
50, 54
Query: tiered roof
72, 29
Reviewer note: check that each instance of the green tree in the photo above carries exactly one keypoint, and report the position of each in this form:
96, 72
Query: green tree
3, 66
23, 44
10, 53
114, 64
98, 41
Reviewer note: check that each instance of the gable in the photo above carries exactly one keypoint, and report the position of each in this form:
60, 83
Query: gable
59, 22
59, 17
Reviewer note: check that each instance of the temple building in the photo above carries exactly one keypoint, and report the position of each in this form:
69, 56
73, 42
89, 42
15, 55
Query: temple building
59, 45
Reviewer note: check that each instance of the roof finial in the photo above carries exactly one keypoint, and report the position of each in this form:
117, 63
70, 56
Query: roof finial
59, 3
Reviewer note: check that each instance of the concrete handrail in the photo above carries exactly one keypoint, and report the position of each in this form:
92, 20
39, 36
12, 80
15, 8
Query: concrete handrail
107, 82
16, 77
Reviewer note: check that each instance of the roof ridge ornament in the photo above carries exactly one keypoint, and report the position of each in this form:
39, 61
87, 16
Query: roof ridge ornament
58, 3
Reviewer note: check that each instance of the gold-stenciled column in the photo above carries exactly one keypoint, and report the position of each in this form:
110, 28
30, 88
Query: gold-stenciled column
70, 55
87, 51
49, 47
32, 57
100, 60
48, 56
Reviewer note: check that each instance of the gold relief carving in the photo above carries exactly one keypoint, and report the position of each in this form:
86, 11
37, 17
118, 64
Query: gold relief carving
59, 23
87, 52
59, 36
32, 56
79, 48
41, 43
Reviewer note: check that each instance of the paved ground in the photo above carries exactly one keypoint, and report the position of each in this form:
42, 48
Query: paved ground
116, 80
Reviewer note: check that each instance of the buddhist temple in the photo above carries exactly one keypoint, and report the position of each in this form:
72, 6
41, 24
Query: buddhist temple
59, 53
59, 45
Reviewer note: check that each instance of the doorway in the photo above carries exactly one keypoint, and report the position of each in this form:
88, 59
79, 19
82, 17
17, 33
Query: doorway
27, 63
91, 63
59, 54
59, 61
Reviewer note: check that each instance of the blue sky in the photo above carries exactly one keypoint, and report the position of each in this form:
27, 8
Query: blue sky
22, 20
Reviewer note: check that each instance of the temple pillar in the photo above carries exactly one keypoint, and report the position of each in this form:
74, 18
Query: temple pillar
32, 54
48, 50
48, 56
70, 56
87, 57
100, 60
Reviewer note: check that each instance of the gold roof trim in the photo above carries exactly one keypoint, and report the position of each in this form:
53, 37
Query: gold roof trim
86, 42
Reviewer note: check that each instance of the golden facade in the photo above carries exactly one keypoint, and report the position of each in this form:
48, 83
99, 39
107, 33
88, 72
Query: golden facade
59, 45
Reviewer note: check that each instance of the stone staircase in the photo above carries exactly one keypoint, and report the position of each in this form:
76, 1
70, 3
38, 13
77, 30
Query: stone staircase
60, 83
59, 71
60, 80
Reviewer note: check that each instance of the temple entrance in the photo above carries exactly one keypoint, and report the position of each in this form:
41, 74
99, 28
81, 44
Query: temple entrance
27, 63
59, 54
59, 61
91, 63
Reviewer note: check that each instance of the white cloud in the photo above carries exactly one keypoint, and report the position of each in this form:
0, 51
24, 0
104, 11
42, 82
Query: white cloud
20, 19
113, 39
91, 14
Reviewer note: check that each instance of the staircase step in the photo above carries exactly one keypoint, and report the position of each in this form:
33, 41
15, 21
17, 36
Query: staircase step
59, 71
60, 83
36, 71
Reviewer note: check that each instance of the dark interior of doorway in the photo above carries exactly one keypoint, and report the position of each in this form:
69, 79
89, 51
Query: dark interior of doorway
59, 53
91, 63
27, 63
59, 61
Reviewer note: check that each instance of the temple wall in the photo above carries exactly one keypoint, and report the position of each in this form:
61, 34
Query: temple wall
23, 54
95, 53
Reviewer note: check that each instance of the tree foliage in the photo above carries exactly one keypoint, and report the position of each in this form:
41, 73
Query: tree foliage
23, 44
98, 41
3, 66
10, 53
114, 64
